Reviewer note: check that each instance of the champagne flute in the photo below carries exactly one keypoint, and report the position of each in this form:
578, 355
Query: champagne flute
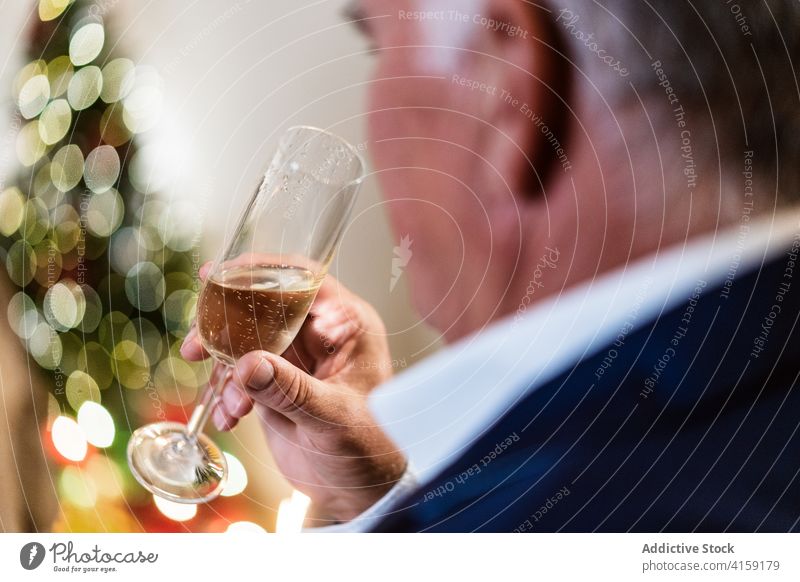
256, 297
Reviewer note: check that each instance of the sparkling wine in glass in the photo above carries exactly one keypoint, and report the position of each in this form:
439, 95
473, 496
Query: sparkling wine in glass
256, 296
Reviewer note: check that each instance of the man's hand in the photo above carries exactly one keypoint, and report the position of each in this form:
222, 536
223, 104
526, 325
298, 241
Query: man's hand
312, 403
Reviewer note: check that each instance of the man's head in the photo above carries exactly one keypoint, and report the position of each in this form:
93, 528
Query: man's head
525, 146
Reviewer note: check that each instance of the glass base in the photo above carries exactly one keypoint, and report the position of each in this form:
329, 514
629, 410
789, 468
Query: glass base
171, 464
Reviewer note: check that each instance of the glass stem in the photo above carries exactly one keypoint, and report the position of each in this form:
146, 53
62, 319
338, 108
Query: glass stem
205, 405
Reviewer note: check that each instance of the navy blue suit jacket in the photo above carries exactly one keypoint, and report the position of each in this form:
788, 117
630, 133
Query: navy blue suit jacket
689, 422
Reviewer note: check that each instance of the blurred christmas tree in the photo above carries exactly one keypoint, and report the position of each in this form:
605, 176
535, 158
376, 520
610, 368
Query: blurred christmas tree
104, 268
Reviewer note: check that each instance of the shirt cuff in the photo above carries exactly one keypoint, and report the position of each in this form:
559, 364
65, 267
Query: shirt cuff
370, 518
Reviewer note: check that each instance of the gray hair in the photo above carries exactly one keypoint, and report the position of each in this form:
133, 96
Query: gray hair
727, 61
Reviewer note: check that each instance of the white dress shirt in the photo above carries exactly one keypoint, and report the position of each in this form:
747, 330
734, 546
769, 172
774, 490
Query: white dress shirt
436, 409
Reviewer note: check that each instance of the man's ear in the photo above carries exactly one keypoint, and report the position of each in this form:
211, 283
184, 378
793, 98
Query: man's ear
526, 65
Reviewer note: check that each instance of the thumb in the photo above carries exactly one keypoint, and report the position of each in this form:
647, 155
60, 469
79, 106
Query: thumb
273, 382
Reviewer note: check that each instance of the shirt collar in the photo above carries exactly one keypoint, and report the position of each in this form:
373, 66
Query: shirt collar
437, 408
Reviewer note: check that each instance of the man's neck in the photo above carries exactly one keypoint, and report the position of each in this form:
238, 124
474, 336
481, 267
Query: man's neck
624, 199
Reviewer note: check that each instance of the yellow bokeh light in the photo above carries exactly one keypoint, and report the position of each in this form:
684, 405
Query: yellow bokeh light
86, 43
52, 9
67, 228
55, 121
81, 388
176, 381
49, 262
107, 476
93, 360
113, 130
64, 305
37, 67
30, 147
84, 87
149, 337
33, 96
43, 187
22, 315
59, 73
45, 346
78, 487
131, 365
68, 439
12, 209
118, 80
97, 424
113, 329
36, 221
21, 263
66, 169
104, 213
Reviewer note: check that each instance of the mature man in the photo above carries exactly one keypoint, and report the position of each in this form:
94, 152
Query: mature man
600, 198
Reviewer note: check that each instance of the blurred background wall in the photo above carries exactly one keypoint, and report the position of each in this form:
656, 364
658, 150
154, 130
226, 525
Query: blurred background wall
234, 75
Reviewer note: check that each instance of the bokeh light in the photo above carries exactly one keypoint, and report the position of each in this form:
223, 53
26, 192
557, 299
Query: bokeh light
30, 147
106, 476
55, 121
237, 477
113, 130
64, 305
59, 73
23, 316
175, 511
292, 513
93, 360
68, 439
145, 286
81, 388
118, 80
101, 169
97, 424
66, 170
85, 87
26, 73
143, 105
45, 346
86, 43
94, 310
104, 213
21, 263
33, 96
12, 207
104, 281
78, 487
52, 9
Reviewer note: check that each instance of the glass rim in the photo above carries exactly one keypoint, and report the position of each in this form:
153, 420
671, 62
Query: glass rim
363, 171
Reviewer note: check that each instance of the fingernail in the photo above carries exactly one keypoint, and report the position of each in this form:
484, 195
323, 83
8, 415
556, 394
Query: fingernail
219, 419
261, 376
233, 398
